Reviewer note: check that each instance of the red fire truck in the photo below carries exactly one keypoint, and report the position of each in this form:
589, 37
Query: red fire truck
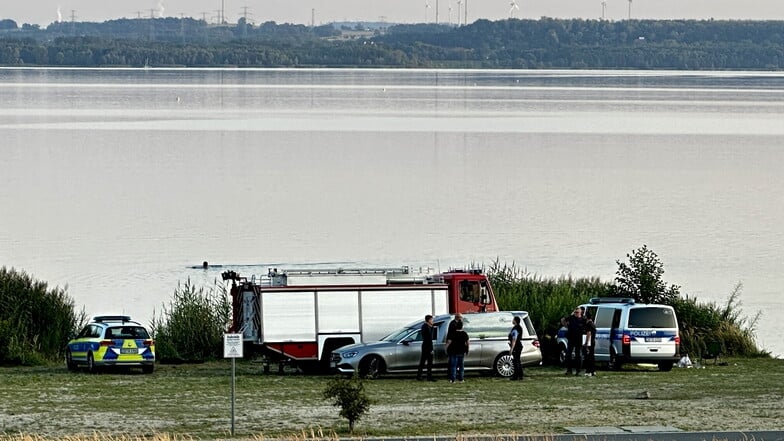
299, 316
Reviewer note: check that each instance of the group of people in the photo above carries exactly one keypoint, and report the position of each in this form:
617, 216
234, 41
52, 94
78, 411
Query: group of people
581, 342
457, 346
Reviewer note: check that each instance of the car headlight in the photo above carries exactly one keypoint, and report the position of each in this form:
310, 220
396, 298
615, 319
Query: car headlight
349, 354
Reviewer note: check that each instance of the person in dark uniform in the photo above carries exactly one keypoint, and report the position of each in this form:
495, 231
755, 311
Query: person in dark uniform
450, 333
457, 348
516, 348
427, 349
575, 327
589, 347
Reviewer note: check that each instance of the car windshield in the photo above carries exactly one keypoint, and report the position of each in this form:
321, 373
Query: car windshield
117, 332
652, 318
399, 334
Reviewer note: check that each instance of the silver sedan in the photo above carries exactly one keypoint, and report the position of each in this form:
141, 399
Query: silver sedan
399, 351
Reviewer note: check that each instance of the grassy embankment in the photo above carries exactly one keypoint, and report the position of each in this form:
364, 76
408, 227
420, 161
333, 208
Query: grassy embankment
193, 401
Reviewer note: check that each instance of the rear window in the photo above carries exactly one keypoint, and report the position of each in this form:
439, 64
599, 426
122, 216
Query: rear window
652, 318
487, 325
135, 332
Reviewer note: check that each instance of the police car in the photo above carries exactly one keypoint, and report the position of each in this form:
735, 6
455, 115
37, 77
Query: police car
631, 332
111, 340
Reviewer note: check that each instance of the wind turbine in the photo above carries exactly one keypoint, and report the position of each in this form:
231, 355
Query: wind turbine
459, 4
449, 12
630, 9
604, 9
427, 10
515, 7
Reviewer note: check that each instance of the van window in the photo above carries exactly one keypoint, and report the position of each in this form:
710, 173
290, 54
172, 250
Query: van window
652, 318
604, 317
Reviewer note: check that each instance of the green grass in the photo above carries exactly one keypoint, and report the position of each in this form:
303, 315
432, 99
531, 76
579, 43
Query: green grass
194, 401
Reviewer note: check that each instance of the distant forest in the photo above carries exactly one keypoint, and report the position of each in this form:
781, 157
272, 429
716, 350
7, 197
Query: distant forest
513, 43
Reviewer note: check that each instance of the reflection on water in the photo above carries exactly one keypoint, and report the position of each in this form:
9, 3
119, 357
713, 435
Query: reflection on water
123, 179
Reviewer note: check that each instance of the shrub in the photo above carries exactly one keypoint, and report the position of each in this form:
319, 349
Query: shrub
35, 322
349, 395
191, 327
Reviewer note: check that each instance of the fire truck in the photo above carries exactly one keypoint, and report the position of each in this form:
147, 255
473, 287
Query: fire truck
299, 316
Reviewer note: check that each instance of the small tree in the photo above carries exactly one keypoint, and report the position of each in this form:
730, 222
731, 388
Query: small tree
349, 395
642, 279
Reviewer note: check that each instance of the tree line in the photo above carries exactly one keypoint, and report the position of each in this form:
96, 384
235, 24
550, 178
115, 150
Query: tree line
512, 43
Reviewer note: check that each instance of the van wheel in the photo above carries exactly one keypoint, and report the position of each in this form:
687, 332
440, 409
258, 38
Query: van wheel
665, 366
503, 365
614, 364
562, 355
371, 367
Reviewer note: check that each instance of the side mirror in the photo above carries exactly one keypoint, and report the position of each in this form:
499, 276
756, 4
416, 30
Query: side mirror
405, 342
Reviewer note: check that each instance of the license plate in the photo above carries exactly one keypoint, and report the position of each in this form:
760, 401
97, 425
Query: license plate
653, 339
129, 351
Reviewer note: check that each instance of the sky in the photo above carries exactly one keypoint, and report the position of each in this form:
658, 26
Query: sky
44, 12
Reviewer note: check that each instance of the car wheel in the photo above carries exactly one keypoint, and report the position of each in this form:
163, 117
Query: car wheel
371, 367
665, 366
69, 363
614, 364
503, 365
148, 368
91, 368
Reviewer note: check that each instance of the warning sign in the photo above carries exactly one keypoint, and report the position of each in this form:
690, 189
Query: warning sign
232, 345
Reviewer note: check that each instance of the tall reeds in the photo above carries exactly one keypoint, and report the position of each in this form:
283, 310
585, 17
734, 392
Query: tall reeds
545, 299
35, 321
191, 327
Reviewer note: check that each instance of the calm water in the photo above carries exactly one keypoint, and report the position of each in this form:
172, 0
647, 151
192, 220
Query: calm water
115, 182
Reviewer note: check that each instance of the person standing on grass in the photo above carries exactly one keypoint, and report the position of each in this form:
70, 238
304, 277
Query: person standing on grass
575, 327
427, 349
457, 349
516, 348
589, 346
451, 333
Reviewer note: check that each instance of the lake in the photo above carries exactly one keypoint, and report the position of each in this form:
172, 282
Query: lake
116, 182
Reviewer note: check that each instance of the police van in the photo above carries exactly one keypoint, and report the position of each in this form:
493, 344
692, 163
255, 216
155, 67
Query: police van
630, 332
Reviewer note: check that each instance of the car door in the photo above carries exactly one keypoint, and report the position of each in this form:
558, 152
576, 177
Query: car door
407, 352
83, 342
440, 357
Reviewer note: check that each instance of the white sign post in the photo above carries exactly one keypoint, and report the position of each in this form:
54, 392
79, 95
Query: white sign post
232, 348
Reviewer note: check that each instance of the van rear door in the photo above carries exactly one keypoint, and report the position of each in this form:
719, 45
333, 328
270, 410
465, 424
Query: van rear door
653, 331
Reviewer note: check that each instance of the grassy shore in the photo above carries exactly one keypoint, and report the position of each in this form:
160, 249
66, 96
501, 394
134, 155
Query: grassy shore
193, 401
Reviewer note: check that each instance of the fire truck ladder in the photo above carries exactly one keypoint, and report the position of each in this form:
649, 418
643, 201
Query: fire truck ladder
347, 271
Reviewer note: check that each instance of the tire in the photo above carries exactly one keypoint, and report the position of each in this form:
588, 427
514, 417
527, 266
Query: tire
91, 368
562, 355
614, 364
665, 366
69, 363
503, 366
148, 368
371, 367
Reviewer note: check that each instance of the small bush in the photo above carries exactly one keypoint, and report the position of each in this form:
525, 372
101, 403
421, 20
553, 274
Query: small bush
191, 327
349, 395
